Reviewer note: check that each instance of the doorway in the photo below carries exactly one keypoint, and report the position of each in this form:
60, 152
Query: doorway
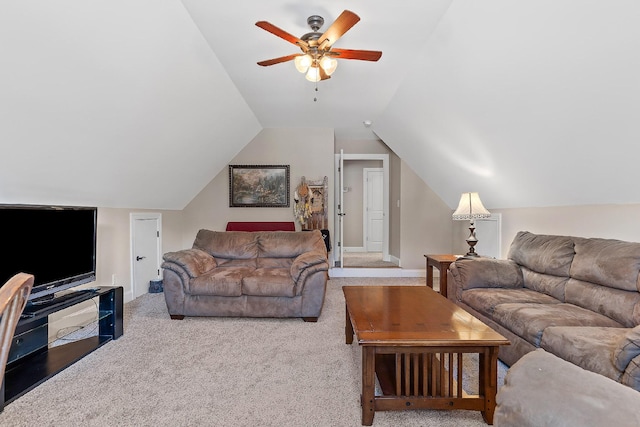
350, 212
146, 247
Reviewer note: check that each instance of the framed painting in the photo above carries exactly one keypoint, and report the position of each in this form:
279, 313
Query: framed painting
259, 186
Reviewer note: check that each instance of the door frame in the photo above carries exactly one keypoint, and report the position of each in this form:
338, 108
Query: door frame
385, 190
133, 217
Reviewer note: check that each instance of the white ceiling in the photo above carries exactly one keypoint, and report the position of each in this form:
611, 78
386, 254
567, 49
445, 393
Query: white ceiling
140, 103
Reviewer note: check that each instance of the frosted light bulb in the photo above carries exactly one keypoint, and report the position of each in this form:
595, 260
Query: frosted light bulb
328, 64
302, 63
313, 75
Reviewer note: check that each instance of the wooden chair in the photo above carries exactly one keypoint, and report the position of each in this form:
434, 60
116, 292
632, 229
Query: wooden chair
13, 298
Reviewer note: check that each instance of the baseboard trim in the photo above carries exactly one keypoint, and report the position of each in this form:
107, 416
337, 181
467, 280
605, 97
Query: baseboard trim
354, 249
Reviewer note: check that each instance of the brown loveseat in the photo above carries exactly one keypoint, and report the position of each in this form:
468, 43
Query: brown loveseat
577, 298
251, 274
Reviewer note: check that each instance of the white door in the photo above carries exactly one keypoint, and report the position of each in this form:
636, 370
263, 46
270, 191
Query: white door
145, 251
373, 209
341, 212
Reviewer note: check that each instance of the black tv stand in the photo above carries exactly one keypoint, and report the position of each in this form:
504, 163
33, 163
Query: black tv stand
31, 360
48, 301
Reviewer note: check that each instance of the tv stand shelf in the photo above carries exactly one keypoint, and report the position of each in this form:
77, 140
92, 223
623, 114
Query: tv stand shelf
32, 361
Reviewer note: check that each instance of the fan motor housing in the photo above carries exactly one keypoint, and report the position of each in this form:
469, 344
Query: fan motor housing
315, 22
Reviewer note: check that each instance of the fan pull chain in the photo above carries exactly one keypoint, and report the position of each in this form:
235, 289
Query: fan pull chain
315, 99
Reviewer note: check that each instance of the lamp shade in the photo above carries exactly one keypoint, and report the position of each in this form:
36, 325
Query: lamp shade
470, 207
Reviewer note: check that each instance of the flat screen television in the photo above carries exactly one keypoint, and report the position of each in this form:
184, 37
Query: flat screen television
57, 244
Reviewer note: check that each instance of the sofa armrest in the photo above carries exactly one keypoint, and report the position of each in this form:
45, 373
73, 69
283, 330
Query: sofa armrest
469, 273
626, 356
312, 261
194, 261
541, 389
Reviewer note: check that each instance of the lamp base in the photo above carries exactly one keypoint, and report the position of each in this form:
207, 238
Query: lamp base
472, 240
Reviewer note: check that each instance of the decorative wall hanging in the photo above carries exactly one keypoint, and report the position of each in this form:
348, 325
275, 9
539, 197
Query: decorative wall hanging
259, 186
310, 207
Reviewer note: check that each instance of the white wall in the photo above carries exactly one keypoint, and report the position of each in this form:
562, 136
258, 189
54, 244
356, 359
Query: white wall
604, 221
308, 151
426, 221
113, 244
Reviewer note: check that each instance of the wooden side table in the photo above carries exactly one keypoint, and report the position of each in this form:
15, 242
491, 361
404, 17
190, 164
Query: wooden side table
441, 262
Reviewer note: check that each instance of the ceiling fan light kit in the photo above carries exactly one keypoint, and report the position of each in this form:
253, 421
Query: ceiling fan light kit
313, 74
318, 59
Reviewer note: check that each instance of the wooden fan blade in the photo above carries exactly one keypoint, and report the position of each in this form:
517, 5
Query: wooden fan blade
278, 60
345, 21
364, 55
283, 34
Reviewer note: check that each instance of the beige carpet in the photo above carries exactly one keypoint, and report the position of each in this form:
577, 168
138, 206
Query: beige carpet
366, 260
219, 372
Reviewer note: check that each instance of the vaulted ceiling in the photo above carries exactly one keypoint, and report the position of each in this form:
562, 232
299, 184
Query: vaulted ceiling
140, 103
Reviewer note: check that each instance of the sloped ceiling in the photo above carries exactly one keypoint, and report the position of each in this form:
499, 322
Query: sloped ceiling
530, 103
140, 103
112, 103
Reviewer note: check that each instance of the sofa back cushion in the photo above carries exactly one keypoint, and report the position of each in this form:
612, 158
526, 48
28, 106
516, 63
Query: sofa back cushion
543, 253
545, 283
472, 273
289, 244
228, 244
607, 262
621, 306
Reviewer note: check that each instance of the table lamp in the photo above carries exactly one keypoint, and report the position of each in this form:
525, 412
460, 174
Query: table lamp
471, 208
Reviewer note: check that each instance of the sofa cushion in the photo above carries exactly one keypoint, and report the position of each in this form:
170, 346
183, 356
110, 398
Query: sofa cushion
221, 281
614, 303
529, 320
586, 346
486, 273
607, 262
627, 348
283, 244
542, 253
274, 262
273, 282
228, 244
237, 263
485, 300
545, 283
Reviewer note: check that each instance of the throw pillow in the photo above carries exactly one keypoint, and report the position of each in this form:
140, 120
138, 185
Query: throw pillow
628, 348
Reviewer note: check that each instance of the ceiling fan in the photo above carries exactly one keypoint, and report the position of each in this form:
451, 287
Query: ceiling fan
318, 57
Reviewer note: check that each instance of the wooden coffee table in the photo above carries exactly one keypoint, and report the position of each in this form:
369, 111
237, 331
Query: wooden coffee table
410, 336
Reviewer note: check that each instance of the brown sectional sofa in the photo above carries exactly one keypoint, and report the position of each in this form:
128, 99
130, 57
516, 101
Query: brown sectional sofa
251, 274
577, 298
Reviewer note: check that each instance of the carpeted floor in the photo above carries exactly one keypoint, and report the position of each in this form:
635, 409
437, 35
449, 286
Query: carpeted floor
366, 260
220, 372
